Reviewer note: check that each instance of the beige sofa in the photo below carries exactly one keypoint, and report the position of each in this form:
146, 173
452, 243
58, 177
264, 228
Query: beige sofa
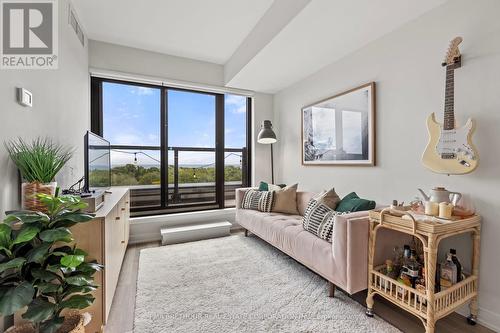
343, 262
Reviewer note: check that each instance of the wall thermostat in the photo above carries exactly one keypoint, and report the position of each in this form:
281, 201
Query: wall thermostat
24, 97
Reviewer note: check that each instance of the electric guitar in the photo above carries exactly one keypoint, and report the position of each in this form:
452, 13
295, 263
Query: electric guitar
450, 149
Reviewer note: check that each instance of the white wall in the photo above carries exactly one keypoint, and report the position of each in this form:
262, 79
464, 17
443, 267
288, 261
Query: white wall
60, 110
405, 64
135, 61
261, 156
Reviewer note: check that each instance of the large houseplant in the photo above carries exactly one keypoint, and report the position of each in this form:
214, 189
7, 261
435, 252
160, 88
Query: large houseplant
38, 162
41, 271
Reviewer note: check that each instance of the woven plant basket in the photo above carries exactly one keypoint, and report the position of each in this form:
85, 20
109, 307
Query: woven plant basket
73, 323
29, 192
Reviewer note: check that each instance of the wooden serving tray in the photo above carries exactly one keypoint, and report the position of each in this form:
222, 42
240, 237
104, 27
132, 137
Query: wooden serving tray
395, 218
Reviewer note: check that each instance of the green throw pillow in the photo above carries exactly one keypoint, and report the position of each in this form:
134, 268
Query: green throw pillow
263, 186
353, 203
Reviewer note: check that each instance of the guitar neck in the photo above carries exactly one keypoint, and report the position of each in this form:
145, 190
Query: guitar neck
449, 100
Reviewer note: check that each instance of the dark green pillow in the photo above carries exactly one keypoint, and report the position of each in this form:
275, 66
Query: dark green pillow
263, 186
353, 203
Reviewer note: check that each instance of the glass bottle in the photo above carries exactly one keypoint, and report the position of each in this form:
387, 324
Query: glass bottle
448, 272
455, 260
413, 268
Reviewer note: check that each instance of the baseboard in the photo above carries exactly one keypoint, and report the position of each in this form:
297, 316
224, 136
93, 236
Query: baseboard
485, 317
147, 229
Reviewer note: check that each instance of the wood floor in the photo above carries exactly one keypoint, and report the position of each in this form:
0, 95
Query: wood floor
121, 319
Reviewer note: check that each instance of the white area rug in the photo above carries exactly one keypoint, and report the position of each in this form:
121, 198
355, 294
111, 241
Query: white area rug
238, 284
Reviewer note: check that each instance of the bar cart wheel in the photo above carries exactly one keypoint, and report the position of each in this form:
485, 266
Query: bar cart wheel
471, 320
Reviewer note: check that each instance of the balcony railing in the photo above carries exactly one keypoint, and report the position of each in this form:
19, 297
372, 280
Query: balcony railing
196, 189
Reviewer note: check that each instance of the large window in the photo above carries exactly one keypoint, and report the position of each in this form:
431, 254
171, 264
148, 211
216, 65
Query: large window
178, 150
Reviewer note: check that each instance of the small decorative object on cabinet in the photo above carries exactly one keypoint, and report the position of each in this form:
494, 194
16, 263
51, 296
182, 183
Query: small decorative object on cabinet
38, 162
340, 130
424, 301
450, 149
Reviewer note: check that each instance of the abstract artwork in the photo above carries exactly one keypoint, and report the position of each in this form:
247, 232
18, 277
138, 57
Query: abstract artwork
340, 129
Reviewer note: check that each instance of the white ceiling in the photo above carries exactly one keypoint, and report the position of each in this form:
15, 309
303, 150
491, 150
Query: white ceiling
227, 31
322, 33
208, 30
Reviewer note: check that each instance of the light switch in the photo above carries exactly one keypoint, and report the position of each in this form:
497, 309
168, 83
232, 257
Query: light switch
24, 97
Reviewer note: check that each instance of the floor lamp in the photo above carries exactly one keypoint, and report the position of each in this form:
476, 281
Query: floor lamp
268, 137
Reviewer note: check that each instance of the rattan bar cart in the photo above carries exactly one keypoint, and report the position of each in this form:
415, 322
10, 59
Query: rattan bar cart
428, 306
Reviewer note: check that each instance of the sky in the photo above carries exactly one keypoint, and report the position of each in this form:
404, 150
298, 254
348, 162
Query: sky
131, 116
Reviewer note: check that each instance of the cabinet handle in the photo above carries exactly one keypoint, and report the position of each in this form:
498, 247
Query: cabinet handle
123, 242
126, 202
117, 218
123, 208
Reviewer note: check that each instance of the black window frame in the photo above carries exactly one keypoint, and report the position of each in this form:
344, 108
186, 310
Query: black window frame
220, 149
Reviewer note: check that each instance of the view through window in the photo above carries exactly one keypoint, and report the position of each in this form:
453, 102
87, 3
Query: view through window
176, 149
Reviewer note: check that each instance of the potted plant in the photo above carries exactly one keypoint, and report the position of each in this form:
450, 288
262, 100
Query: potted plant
41, 271
38, 163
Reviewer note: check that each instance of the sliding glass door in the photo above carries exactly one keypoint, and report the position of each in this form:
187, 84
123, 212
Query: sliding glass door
178, 150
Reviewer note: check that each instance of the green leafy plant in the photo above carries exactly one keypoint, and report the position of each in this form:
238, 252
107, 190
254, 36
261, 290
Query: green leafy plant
40, 160
38, 267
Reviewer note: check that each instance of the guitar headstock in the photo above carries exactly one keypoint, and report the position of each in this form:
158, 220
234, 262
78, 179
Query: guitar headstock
453, 56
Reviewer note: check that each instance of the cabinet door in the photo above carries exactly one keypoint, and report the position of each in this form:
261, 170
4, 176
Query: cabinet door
113, 257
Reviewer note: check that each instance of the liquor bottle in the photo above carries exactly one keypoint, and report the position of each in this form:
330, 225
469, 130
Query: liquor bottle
455, 260
413, 268
448, 272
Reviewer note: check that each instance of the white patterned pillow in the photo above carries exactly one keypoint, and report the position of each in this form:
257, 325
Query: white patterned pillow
319, 219
258, 200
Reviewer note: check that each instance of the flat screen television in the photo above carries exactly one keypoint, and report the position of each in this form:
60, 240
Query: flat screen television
97, 163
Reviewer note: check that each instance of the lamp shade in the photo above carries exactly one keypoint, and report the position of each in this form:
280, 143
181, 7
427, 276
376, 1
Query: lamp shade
266, 134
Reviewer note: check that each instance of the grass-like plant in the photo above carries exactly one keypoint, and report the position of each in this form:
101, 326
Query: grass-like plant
40, 160
38, 267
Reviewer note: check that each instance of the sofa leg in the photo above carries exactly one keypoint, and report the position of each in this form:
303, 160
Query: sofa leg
246, 233
331, 289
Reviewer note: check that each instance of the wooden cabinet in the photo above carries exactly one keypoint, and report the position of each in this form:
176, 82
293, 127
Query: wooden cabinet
105, 239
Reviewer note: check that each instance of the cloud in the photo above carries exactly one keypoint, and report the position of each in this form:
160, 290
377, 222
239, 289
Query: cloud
236, 104
142, 91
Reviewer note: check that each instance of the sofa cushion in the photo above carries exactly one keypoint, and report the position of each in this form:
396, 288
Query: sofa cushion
287, 234
285, 200
353, 203
329, 198
258, 200
318, 220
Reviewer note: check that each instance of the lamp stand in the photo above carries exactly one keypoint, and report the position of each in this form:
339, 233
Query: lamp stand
272, 165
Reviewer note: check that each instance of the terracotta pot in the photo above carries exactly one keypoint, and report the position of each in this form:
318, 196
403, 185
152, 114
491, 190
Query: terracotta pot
29, 192
73, 323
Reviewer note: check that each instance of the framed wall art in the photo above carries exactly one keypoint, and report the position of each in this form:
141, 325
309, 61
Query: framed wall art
340, 130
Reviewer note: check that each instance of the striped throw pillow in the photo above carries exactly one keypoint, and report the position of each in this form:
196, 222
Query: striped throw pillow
258, 200
319, 219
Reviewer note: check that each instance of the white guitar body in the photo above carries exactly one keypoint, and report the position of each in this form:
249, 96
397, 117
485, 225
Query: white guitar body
450, 151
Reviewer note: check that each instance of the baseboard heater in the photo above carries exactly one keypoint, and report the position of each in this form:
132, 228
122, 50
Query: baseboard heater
175, 235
